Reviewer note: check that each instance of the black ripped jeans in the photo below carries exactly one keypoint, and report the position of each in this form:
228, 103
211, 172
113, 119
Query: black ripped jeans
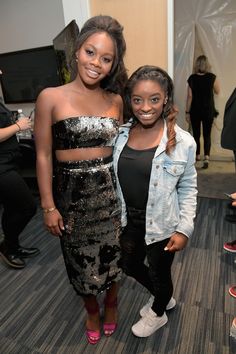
156, 276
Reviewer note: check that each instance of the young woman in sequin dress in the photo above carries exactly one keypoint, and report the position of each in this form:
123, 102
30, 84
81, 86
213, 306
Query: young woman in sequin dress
79, 123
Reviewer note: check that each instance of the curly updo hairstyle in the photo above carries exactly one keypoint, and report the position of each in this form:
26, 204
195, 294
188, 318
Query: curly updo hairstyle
117, 77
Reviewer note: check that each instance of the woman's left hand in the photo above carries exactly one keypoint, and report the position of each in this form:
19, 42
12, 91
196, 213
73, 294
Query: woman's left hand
177, 242
54, 222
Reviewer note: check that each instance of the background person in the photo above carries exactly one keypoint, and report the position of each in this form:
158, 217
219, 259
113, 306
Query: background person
80, 121
200, 106
156, 158
18, 203
231, 247
228, 134
228, 141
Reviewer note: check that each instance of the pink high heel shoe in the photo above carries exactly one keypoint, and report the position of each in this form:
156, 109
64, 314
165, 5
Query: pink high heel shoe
110, 328
93, 336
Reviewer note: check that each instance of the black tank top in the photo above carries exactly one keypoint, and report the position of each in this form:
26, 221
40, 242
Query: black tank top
134, 170
203, 104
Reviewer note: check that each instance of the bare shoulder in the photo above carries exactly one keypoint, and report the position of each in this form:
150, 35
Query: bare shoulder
117, 103
50, 93
117, 99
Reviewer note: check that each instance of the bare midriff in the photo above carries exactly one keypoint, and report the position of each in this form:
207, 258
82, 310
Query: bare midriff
83, 154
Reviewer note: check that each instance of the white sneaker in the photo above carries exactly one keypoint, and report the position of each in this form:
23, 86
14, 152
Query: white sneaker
149, 324
171, 304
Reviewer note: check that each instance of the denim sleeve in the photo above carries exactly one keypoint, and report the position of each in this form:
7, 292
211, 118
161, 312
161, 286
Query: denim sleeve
187, 194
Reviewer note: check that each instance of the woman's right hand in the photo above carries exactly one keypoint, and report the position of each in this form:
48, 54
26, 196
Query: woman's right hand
54, 222
24, 123
233, 196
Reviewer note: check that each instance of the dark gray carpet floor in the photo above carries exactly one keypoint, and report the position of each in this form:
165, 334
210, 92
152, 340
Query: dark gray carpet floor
40, 313
218, 179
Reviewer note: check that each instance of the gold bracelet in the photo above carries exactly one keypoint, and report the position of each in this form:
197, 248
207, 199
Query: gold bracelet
18, 126
49, 210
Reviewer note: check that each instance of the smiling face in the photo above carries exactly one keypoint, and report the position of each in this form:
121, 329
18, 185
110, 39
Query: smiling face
147, 102
95, 58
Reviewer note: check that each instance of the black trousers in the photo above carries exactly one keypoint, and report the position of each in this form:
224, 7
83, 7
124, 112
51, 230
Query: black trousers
156, 276
206, 127
19, 207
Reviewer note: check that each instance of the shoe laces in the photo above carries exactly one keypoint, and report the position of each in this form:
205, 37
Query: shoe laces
150, 301
150, 318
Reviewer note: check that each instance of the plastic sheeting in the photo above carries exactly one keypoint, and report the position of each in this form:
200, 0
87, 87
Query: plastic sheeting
206, 27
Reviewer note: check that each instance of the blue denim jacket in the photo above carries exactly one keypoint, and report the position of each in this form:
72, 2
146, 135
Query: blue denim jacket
172, 196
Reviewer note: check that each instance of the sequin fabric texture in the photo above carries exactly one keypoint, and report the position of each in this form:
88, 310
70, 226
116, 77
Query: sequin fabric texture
82, 132
85, 194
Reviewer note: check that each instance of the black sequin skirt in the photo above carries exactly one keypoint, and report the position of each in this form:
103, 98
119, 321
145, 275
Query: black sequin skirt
85, 195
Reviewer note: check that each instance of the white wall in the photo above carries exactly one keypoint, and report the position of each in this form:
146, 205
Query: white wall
76, 9
26, 24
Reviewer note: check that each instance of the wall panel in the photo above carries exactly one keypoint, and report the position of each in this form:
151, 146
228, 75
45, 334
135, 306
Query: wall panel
145, 29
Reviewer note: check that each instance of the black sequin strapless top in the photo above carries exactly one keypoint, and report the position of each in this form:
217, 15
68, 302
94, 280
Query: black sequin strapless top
84, 131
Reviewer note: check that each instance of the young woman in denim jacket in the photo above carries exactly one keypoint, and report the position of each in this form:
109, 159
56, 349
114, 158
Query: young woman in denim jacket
154, 163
